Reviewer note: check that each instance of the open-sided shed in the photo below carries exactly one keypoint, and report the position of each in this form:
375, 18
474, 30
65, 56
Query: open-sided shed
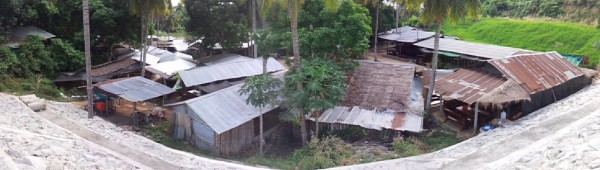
518, 85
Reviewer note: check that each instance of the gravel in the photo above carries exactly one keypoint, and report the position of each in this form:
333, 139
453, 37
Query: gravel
27, 141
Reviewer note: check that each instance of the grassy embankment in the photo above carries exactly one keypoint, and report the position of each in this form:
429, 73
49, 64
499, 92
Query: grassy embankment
566, 38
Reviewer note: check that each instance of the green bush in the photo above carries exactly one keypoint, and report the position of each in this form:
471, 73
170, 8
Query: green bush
406, 148
318, 154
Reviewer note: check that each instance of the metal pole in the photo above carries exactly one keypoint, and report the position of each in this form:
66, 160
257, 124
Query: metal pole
475, 119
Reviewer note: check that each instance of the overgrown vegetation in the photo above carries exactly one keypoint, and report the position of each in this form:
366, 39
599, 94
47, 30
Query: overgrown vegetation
583, 11
160, 134
318, 154
425, 143
333, 151
35, 84
566, 38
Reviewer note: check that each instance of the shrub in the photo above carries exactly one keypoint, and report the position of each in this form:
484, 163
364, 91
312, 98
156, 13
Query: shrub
406, 148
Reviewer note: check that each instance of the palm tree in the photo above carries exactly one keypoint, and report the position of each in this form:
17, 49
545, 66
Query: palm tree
437, 12
88, 57
147, 9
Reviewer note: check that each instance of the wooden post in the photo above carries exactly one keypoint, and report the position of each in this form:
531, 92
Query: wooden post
134, 115
164, 96
475, 118
106, 106
441, 104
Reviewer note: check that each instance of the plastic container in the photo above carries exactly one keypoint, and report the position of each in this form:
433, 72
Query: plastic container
101, 106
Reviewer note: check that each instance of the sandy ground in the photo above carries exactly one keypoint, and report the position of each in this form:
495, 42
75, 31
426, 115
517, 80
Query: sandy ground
28, 141
139, 143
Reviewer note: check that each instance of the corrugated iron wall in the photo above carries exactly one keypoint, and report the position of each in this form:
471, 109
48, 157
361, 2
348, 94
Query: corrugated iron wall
181, 123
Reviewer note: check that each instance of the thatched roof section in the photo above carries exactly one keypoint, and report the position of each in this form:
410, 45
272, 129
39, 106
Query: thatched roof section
377, 85
508, 92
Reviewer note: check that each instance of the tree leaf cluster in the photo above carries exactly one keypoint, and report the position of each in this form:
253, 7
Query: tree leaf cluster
324, 86
262, 90
217, 21
37, 56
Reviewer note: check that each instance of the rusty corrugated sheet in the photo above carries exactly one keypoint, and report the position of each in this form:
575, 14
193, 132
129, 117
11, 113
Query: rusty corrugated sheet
113, 66
537, 72
380, 85
468, 85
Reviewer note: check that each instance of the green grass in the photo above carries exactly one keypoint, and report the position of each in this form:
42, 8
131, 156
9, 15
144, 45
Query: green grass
38, 85
161, 135
566, 38
425, 143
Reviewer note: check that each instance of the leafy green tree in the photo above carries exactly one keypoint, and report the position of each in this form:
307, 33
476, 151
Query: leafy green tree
325, 87
262, 91
65, 56
147, 9
9, 64
35, 59
217, 21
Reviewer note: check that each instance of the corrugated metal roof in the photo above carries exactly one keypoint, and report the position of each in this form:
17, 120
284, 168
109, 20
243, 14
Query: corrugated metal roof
381, 96
380, 85
225, 109
537, 72
150, 59
164, 55
372, 119
406, 34
468, 85
112, 66
469, 48
102, 72
19, 35
222, 59
171, 67
208, 74
135, 89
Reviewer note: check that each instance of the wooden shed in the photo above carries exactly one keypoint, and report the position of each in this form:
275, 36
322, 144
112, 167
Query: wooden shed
221, 122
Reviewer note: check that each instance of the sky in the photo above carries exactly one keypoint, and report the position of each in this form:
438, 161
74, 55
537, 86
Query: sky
175, 2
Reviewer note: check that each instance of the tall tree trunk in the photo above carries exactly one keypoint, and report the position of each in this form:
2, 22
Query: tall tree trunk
254, 20
88, 58
144, 17
434, 62
376, 29
317, 124
397, 16
262, 137
298, 66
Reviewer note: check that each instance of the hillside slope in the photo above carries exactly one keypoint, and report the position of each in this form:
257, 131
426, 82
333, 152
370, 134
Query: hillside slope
566, 38
581, 11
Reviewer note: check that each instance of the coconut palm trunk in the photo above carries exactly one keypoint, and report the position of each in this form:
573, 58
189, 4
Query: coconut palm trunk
88, 58
293, 12
434, 62
376, 29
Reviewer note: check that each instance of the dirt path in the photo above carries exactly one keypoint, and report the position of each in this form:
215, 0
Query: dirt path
519, 141
133, 154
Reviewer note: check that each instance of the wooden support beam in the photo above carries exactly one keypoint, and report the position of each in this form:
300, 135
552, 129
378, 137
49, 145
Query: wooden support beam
475, 118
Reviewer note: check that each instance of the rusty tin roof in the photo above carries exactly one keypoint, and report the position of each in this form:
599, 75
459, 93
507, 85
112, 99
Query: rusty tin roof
537, 72
468, 85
